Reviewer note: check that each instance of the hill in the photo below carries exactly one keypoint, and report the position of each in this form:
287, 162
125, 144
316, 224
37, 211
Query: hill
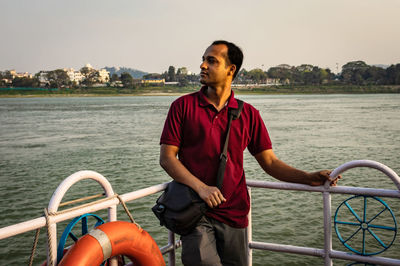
137, 74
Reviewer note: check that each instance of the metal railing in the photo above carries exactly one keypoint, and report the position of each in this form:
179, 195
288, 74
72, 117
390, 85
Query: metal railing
111, 202
328, 253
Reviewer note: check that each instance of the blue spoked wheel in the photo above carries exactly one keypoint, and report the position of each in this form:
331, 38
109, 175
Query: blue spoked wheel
68, 231
365, 225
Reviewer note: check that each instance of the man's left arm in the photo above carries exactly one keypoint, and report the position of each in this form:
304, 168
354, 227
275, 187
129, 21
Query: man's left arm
280, 170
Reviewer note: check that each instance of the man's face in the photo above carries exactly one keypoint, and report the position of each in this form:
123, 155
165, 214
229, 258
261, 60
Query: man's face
214, 68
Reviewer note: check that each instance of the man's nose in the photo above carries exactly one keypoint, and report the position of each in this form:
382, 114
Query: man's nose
203, 65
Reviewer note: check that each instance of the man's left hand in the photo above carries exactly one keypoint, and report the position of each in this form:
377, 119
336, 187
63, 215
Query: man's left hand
319, 178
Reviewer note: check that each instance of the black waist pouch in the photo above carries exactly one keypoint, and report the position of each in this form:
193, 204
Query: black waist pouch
179, 208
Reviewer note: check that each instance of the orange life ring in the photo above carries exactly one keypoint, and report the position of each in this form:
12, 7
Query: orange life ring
112, 239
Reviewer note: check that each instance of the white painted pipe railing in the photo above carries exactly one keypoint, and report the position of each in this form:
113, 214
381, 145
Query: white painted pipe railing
58, 196
370, 164
328, 253
40, 222
111, 202
55, 217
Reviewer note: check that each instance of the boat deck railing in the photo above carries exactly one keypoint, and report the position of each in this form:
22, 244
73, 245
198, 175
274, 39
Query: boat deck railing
111, 201
327, 252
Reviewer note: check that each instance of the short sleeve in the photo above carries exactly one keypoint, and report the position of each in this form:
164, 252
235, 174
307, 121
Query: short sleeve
172, 132
259, 137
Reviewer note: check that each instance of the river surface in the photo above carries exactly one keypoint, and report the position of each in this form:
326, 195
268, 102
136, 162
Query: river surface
44, 140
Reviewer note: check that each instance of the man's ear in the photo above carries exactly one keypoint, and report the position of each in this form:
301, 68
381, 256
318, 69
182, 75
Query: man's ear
232, 69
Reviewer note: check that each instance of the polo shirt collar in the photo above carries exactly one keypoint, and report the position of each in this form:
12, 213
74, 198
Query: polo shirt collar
232, 103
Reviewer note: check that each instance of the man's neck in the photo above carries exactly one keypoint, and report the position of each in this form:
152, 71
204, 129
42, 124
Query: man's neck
218, 96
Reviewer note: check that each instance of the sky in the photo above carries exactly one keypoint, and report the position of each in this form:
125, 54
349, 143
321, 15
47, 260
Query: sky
151, 35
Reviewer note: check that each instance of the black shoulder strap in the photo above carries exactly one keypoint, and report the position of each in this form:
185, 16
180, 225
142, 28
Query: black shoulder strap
236, 112
233, 115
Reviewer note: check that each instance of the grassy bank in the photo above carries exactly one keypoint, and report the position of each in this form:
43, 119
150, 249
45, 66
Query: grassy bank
94, 91
168, 90
322, 89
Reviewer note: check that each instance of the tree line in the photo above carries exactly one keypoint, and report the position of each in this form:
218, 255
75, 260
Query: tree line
54, 79
353, 73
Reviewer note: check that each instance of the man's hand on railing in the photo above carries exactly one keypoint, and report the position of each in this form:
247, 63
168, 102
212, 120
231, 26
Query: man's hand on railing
319, 178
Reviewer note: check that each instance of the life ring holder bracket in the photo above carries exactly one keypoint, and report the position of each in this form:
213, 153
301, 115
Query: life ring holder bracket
60, 192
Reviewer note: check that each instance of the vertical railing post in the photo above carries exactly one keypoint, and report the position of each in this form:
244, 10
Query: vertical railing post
249, 234
112, 216
52, 244
327, 225
171, 253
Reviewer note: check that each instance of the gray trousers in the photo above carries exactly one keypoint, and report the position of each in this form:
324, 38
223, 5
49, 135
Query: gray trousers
213, 243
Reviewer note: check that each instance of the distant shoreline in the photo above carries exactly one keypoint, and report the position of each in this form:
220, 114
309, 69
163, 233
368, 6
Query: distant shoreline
176, 91
56, 95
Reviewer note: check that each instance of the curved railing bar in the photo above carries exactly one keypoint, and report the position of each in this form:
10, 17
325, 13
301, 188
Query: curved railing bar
367, 163
59, 194
67, 183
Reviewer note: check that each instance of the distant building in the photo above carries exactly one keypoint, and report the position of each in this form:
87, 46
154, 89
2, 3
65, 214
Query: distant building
271, 81
98, 76
284, 66
153, 81
117, 83
74, 76
182, 71
43, 78
305, 68
266, 82
171, 83
89, 66
104, 75
20, 75
6, 79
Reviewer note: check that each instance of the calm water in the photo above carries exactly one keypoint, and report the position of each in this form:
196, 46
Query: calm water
44, 140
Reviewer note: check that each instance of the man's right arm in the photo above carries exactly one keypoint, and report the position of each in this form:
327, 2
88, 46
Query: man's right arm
170, 163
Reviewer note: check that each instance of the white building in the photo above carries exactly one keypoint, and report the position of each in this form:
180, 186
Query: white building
20, 75
74, 76
89, 66
43, 77
104, 75
284, 66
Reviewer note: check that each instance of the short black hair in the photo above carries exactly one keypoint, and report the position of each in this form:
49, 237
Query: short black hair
235, 54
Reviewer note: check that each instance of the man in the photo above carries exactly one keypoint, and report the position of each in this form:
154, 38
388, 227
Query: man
191, 143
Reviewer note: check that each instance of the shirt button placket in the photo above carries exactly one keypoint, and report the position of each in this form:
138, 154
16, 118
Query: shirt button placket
214, 120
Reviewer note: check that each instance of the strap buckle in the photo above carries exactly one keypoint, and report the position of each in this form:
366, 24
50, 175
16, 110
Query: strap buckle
223, 157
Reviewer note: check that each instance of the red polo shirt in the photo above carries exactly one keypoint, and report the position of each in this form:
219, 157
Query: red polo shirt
198, 129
